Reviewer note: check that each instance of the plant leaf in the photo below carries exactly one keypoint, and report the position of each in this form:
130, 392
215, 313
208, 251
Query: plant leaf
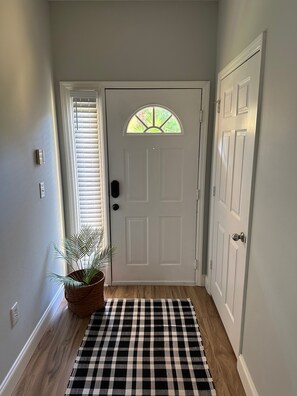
65, 280
83, 251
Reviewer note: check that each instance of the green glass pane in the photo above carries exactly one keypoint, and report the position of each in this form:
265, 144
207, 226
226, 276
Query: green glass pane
161, 115
172, 126
146, 115
154, 130
135, 126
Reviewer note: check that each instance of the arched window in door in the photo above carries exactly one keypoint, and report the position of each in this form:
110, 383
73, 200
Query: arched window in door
152, 120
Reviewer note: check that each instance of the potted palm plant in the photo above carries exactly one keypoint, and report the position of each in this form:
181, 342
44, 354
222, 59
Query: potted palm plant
85, 256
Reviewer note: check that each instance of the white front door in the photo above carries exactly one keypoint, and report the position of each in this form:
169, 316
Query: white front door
234, 167
155, 160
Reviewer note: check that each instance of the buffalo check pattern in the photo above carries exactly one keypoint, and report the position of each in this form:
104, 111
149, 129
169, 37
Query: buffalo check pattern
142, 347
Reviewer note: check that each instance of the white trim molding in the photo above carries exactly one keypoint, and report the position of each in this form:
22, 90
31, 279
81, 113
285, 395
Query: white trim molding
151, 283
246, 378
17, 369
247, 53
100, 86
140, 0
97, 85
207, 284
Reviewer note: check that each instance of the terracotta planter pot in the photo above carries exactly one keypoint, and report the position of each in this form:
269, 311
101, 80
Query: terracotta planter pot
85, 300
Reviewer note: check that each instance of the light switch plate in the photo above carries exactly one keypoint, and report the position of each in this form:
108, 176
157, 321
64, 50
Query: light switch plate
41, 190
14, 314
39, 156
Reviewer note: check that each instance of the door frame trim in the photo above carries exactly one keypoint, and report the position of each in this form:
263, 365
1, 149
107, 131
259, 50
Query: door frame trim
257, 46
100, 86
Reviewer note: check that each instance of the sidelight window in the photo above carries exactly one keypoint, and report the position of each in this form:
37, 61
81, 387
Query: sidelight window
87, 159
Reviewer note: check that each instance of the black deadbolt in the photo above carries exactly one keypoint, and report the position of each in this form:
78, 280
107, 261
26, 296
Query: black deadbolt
115, 188
115, 207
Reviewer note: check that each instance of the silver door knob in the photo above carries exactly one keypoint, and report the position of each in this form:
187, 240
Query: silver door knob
237, 237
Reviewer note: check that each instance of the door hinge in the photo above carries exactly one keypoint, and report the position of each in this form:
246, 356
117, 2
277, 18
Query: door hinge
218, 102
214, 191
196, 264
201, 116
197, 195
210, 264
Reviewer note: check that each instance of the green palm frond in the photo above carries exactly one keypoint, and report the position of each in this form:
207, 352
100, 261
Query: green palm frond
87, 240
102, 257
89, 275
83, 251
65, 280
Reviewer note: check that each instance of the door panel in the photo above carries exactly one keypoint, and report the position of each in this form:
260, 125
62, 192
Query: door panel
136, 177
235, 154
154, 229
223, 178
220, 256
243, 96
239, 147
137, 241
231, 277
171, 171
170, 240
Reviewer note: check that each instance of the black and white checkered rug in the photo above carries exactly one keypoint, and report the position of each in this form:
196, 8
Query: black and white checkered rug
142, 347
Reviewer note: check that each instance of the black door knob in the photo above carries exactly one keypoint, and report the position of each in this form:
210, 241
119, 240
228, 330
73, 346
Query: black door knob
115, 207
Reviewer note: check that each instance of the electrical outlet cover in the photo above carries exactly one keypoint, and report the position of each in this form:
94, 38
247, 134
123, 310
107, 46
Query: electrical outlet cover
14, 314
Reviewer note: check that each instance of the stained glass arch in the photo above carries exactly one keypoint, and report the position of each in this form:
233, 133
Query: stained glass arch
152, 120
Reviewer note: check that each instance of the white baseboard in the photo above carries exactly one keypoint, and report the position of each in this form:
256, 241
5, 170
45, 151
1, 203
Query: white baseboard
200, 281
207, 284
17, 369
246, 378
152, 283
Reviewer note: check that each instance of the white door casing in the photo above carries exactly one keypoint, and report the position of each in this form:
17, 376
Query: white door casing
67, 88
154, 229
235, 147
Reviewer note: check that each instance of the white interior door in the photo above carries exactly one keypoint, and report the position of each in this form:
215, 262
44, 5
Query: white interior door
154, 227
234, 167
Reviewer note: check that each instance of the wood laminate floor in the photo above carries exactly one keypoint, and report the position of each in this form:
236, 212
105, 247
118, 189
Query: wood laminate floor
49, 369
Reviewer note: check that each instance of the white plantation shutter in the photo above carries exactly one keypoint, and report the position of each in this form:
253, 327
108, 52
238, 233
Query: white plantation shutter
87, 157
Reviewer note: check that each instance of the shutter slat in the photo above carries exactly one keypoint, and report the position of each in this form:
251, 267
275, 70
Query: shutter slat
81, 135
89, 182
88, 162
86, 140
87, 151
85, 124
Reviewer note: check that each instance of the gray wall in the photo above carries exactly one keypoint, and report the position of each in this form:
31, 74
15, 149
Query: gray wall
132, 41
28, 224
269, 343
135, 41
